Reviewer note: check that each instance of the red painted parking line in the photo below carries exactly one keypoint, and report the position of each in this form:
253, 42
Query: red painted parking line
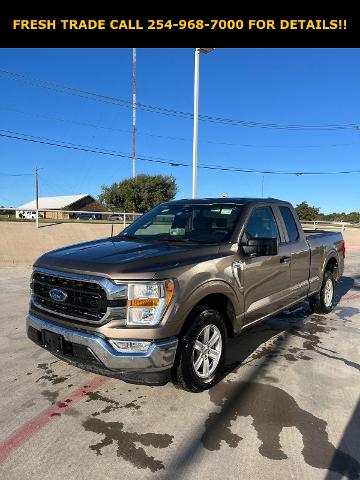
26, 431
352, 247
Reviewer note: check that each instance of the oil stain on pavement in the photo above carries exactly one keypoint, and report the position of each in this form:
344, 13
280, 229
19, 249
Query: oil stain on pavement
309, 332
111, 404
273, 409
50, 376
306, 328
127, 442
51, 396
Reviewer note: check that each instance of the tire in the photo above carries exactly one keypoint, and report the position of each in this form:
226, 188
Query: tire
197, 368
322, 302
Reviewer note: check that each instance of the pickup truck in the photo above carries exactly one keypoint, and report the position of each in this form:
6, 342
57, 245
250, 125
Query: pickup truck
159, 301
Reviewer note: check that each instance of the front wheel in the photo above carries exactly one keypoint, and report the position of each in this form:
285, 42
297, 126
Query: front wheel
322, 302
201, 351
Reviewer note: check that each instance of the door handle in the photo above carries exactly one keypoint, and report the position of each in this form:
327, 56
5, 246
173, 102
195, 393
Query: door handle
285, 259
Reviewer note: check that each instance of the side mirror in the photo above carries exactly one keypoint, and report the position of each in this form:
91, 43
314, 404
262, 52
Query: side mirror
258, 247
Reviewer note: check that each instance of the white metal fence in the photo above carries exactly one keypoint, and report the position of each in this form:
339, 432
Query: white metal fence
45, 215
316, 224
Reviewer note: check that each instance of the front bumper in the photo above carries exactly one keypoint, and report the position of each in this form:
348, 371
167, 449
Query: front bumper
86, 348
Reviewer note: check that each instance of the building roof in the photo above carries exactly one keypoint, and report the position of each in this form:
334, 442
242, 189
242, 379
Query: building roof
55, 203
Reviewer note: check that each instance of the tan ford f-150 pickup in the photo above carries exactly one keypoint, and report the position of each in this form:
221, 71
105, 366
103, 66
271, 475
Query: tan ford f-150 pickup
159, 301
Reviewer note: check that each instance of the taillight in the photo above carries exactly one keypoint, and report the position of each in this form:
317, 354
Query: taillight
343, 248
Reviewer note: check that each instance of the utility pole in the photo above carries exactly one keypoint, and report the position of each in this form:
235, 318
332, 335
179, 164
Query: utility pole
196, 116
134, 116
37, 195
262, 186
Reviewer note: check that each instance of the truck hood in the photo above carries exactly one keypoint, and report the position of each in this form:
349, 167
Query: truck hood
124, 258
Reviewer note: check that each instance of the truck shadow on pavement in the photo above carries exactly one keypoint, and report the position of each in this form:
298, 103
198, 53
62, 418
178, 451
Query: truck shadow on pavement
343, 286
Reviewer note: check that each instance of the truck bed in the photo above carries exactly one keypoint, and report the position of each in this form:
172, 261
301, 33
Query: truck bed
309, 233
321, 243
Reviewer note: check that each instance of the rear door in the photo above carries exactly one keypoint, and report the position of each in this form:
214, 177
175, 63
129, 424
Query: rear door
265, 279
296, 247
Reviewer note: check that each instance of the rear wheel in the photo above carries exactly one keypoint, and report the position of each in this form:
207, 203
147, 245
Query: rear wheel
322, 302
201, 351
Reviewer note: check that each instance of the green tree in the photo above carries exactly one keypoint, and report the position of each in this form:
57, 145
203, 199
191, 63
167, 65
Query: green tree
139, 194
307, 212
353, 217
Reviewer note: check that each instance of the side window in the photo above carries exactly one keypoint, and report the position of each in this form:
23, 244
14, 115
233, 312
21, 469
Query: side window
290, 223
261, 224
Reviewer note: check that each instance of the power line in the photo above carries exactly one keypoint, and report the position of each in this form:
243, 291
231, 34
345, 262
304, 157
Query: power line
175, 163
16, 174
36, 81
85, 148
5, 198
169, 137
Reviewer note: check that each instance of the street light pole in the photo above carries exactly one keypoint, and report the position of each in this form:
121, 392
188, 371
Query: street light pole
196, 122
196, 116
134, 116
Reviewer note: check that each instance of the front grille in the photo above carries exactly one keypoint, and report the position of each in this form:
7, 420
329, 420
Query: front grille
85, 300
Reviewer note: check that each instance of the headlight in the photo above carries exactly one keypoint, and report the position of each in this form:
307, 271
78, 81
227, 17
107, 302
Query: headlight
147, 302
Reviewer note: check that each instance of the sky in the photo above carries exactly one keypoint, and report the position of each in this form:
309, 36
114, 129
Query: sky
276, 86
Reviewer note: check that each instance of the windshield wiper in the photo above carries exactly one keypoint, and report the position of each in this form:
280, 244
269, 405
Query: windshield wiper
144, 238
132, 237
158, 239
182, 240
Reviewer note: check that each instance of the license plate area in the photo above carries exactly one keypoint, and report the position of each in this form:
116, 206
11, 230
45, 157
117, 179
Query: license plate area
52, 341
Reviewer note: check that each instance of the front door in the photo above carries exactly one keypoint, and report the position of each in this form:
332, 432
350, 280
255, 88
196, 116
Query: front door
265, 279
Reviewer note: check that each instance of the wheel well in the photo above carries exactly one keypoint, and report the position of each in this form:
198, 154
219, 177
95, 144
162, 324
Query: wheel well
332, 266
222, 304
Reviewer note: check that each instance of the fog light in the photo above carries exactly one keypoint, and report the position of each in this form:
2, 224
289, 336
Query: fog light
130, 346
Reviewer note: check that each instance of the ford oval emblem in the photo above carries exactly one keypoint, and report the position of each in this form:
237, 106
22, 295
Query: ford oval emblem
58, 295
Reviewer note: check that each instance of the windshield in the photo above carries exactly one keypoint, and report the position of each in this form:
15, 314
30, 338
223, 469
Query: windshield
207, 223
